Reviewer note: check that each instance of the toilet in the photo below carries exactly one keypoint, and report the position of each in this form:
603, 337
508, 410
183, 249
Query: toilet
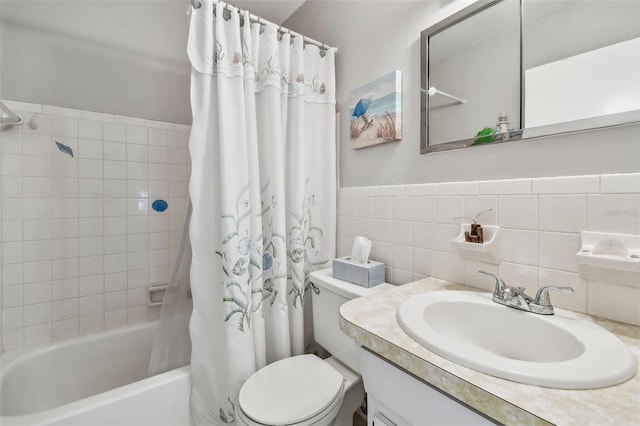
307, 390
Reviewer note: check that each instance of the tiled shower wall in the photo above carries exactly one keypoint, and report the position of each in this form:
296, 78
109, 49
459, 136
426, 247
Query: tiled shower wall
80, 240
411, 227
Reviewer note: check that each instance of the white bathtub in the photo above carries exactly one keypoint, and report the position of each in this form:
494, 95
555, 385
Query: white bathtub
97, 379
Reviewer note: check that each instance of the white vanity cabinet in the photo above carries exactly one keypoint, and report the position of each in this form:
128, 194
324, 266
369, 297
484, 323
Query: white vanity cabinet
395, 397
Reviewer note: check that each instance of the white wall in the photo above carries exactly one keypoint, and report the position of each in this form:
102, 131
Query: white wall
118, 57
375, 37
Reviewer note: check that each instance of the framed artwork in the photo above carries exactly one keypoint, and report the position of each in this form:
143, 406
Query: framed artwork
376, 111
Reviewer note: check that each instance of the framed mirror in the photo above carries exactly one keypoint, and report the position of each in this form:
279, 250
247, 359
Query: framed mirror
504, 70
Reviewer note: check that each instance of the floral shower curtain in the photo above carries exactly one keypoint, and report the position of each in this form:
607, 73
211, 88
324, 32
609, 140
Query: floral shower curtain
263, 191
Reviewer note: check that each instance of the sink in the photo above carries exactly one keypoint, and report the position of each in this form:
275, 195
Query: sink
557, 351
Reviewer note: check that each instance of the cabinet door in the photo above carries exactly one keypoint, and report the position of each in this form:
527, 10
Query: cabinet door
403, 399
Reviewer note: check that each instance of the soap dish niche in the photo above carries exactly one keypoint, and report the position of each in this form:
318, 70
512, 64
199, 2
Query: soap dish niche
609, 257
488, 251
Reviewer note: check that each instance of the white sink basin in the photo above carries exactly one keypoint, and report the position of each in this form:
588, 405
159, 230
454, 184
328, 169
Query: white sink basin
555, 351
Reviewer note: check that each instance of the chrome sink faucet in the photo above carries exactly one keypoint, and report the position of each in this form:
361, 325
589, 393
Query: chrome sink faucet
515, 297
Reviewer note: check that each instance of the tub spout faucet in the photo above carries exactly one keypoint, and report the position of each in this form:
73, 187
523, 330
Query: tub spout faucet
515, 297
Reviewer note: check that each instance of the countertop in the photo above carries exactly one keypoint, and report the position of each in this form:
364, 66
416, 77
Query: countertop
371, 320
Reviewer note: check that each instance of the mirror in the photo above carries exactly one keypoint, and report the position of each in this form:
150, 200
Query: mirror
504, 70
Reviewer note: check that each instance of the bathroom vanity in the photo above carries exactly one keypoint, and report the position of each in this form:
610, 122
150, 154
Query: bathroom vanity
388, 354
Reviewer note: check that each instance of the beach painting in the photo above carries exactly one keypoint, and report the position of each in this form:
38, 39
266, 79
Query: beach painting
376, 111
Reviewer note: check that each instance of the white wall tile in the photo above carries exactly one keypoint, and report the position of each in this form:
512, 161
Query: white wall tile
158, 171
518, 275
37, 293
402, 233
158, 137
507, 186
114, 244
36, 144
137, 134
617, 302
37, 314
477, 206
402, 208
458, 188
177, 139
450, 267
91, 285
138, 153
517, 246
391, 191
424, 235
90, 129
620, 183
424, 261
65, 329
114, 151
11, 274
366, 207
88, 168
64, 268
90, 148
37, 334
90, 226
64, 126
12, 252
91, 323
115, 132
64, 228
11, 230
562, 213
366, 228
64, 289
558, 251
36, 165
566, 185
424, 209
616, 213
384, 231
384, 207
33, 251
34, 272
422, 189
90, 207
115, 169
90, 187
576, 301
448, 208
518, 211
11, 165
115, 207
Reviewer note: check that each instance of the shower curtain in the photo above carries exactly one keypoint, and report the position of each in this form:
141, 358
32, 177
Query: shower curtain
263, 189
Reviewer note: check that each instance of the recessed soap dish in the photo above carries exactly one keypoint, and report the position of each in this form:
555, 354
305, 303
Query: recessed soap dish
619, 252
488, 251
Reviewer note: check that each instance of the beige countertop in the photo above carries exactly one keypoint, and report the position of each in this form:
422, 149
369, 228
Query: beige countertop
371, 320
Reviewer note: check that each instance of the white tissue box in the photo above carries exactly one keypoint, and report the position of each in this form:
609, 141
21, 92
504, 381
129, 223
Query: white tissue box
363, 274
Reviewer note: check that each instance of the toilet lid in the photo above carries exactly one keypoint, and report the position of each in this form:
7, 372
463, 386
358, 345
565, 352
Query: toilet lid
290, 390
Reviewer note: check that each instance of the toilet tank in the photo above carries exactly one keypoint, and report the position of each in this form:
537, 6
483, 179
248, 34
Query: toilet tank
326, 314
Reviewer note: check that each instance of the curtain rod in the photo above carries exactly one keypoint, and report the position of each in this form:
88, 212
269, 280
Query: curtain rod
196, 4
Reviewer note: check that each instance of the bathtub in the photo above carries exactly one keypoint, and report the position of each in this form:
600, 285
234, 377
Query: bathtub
97, 379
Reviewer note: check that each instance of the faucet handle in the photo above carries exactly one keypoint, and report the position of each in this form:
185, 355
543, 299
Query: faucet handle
542, 301
500, 284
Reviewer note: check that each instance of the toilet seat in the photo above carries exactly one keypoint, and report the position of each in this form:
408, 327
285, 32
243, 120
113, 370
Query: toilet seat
294, 391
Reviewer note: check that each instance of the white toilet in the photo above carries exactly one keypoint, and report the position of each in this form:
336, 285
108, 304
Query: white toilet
306, 390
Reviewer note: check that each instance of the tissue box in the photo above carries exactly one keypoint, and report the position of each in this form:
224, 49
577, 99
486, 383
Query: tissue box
363, 274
